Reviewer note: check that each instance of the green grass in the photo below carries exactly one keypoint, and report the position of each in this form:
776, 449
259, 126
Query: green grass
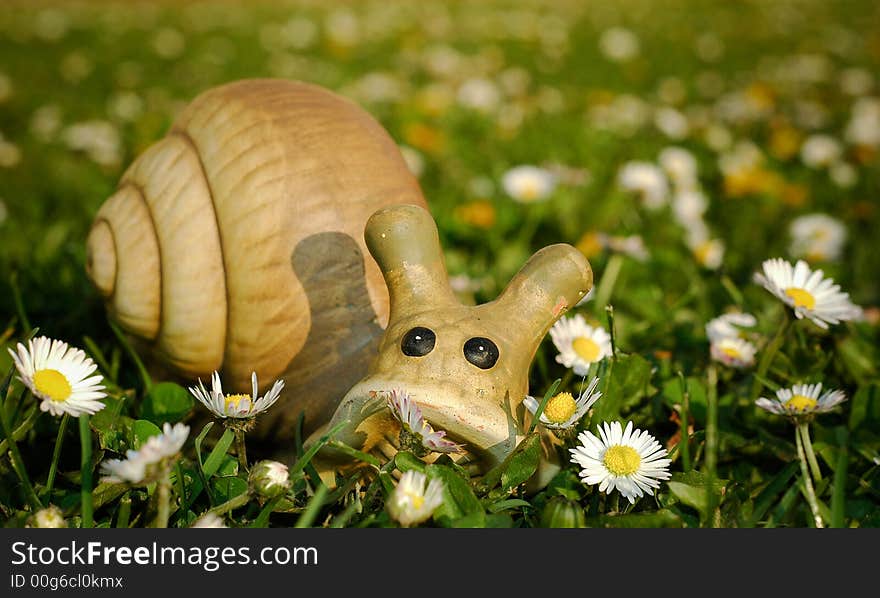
123, 63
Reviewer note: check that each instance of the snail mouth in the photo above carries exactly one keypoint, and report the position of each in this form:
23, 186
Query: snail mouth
368, 425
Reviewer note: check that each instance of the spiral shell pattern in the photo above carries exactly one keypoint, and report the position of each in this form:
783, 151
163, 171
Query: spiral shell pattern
193, 252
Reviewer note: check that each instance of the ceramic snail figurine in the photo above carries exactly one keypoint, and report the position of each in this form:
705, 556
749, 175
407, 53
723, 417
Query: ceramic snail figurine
239, 242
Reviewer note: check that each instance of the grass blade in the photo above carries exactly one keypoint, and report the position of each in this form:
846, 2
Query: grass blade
540, 410
312, 509
838, 492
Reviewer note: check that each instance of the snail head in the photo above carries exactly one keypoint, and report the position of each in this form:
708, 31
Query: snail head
465, 366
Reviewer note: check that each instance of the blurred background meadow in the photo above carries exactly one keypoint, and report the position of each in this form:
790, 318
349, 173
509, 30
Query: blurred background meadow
677, 143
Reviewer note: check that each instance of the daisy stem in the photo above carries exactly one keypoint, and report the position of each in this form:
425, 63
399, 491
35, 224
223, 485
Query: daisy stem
769, 353
142, 371
124, 516
808, 482
229, 505
85, 440
56, 454
684, 416
804, 430
609, 279
241, 449
164, 489
17, 463
710, 460
566, 378
609, 311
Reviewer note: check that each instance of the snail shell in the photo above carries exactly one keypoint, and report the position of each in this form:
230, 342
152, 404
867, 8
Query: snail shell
236, 241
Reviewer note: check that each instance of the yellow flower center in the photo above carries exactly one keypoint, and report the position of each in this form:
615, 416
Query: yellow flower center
801, 297
53, 384
478, 213
416, 498
586, 348
234, 401
529, 190
560, 408
701, 251
731, 352
801, 403
590, 244
622, 460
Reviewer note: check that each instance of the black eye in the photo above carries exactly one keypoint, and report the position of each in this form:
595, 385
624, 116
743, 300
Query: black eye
481, 352
418, 342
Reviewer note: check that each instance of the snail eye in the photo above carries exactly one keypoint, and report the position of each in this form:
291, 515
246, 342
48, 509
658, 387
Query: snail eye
481, 352
418, 342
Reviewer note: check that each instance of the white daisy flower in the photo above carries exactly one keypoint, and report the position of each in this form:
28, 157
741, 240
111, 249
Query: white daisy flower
60, 376
579, 344
844, 175
632, 246
718, 137
209, 521
671, 122
403, 408
149, 462
236, 406
863, 127
820, 151
709, 253
587, 298
807, 292
479, 94
528, 184
733, 352
817, 237
802, 399
408, 413
49, 518
414, 160
99, 139
679, 164
647, 180
689, 205
414, 499
729, 325
633, 462
619, 44
563, 410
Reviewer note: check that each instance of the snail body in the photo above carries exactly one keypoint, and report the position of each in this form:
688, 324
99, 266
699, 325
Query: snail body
197, 252
277, 229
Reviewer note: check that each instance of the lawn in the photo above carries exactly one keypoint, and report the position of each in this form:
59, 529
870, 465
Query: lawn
678, 144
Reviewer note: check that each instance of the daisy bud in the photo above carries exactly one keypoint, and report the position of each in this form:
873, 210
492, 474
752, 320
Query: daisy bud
269, 479
561, 512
